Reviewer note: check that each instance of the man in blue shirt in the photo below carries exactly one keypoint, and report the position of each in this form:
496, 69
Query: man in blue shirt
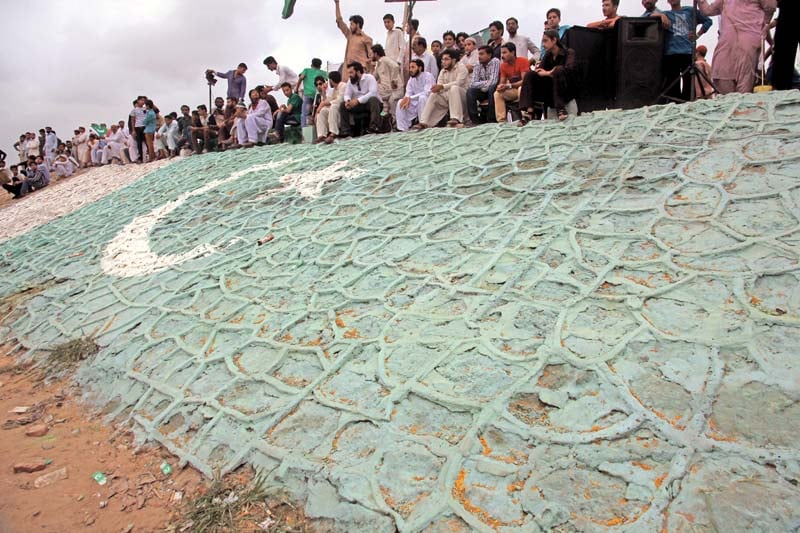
681, 30
237, 83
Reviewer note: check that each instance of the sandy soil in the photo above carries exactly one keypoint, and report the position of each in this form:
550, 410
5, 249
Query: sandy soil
64, 196
137, 493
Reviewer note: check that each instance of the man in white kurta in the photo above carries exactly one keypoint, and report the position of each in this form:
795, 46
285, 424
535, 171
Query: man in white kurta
50, 146
255, 126
395, 41
449, 93
418, 89
389, 77
328, 113
115, 142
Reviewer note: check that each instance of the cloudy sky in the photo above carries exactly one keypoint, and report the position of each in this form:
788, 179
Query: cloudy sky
77, 62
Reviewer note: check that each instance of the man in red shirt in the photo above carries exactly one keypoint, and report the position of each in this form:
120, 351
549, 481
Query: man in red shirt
512, 71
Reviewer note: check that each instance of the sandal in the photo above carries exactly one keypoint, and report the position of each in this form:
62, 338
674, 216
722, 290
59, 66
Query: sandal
525, 117
562, 115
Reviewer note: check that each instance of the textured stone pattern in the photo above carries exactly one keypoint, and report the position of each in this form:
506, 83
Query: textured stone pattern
574, 326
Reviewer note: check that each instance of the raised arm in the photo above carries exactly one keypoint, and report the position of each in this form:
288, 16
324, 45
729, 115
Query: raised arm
340, 21
710, 10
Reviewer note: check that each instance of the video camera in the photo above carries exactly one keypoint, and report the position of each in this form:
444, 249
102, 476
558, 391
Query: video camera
210, 78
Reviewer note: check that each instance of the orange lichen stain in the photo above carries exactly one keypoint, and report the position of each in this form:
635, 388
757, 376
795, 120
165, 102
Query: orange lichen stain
286, 338
487, 450
351, 334
689, 517
237, 320
237, 362
666, 277
639, 281
694, 469
622, 501
643, 466
340, 322
211, 348
418, 478
387, 340
229, 283
260, 318
587, 495
327, 354
660, 480
315, 342
754, 300
459, 493
680, 197
563, 343
506, 348
606, 285
516, 486
616, 521
664, 528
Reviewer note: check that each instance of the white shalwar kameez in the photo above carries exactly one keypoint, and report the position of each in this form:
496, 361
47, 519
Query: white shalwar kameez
255, 127
418, 90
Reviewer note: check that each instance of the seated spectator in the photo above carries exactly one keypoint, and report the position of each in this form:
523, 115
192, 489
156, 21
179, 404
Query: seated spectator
650, 8
308, 89
37, 178
552, 82
420, 48
64, 166
170, 136
512, 71
203, 130
449, 94
329, 111
610, 13
185, 125
285, 74
253, 128
288, 114
436, 52
389, 78
273, 104
485, 78
418, 90
360, 98
449, 41
702, 87
5, 173
114, 145
470, 57
14, 176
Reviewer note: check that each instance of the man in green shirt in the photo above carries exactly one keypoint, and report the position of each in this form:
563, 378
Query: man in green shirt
307, 78
288, 114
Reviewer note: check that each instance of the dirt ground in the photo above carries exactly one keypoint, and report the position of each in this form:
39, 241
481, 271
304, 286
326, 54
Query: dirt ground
137, 496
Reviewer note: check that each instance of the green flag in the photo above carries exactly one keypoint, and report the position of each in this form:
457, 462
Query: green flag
288, 8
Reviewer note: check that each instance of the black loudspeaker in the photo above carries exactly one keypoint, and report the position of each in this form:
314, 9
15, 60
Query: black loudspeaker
640, 51
595, 57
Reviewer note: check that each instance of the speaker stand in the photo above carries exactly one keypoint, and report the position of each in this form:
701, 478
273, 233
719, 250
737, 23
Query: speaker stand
692, 71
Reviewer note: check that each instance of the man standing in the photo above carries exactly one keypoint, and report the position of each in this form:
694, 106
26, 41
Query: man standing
485, 77
496, 41
420, 48
50, 146
449, 94
307, 78
136, 125
360, 96
418, 89
389, 78
678, 47
285, 74
237, 83
358, 42
524, 44
329, 111
395, 43
610, 13
512, 72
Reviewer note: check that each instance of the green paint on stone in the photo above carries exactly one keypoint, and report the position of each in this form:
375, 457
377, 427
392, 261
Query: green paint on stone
571, 325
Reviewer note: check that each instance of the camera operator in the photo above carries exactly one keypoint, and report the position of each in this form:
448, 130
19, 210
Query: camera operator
237, 83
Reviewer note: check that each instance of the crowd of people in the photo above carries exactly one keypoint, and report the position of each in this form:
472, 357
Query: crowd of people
457, 81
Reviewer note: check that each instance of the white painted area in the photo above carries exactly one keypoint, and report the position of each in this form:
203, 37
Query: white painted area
129, 254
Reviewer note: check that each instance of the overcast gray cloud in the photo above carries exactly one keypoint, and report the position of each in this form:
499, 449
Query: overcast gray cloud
74, 63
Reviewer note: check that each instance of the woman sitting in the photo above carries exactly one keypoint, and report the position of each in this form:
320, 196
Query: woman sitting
552, 81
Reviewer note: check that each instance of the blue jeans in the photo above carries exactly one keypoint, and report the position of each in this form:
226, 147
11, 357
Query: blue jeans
308, 101
283, 120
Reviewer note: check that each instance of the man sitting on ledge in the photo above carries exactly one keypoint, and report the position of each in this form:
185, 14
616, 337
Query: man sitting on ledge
360, 97
610, 13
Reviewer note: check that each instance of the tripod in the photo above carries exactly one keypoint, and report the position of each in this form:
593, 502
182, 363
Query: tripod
691, 73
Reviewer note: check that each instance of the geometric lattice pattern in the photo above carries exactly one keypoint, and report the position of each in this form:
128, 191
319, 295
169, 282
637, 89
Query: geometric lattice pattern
569, 326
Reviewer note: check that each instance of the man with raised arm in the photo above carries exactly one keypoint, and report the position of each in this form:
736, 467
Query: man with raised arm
359, 44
